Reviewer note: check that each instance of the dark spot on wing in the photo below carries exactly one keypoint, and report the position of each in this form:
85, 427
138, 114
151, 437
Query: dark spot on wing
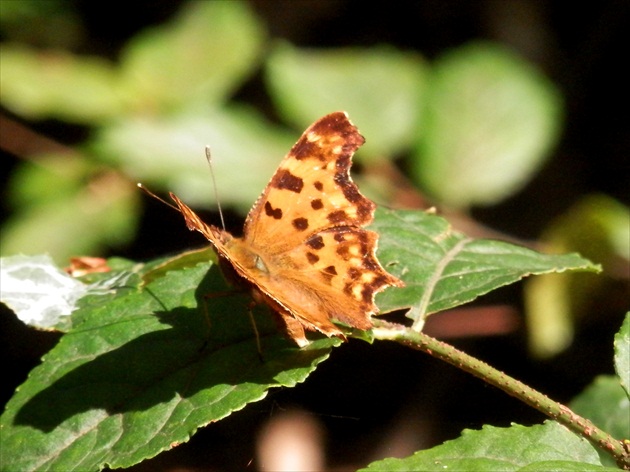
305, 149
285, 180
370, 263
328, 273
275, 213
315, 242
338, 216
300, 224
354, 273
312, 258
317, 204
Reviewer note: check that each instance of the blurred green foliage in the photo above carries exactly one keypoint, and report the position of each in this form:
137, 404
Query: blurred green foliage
169, 94
597, 227
491, 121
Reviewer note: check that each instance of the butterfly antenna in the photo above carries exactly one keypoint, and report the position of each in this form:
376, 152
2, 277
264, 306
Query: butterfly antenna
151, 194
214, 186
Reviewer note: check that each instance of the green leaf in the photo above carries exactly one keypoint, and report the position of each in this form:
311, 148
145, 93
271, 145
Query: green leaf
57, 84
490, 123
168, 152
622, 355
606, 404
76, 219
39, 293
566, 466
158, 268
43, 296
541, 447
46, 177
382, 90
443, 268
597, 227
201, 56
142, 373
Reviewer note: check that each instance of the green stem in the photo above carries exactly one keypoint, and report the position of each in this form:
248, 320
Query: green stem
560, 413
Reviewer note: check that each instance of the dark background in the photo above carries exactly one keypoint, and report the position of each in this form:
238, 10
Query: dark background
364, 394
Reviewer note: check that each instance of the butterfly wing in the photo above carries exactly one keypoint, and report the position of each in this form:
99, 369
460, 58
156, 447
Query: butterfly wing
312, 189
216, 236
317, 261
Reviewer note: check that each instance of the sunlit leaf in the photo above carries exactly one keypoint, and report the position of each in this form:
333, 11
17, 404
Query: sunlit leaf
443, 268
622, 355
169, 152
382, 90
43, 296
39, 293
57, 84
542, 447
65, 219
491, 121
597, 227
606, 404
202, 55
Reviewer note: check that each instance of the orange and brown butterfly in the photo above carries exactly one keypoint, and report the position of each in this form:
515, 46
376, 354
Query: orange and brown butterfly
304, 251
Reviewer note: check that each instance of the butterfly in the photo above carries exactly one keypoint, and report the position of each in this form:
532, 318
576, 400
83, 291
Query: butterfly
304, 251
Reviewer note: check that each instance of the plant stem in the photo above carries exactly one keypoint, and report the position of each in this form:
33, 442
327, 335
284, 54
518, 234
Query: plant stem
558, 412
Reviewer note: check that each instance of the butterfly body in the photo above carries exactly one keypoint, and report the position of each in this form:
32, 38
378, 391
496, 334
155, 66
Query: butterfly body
304, 251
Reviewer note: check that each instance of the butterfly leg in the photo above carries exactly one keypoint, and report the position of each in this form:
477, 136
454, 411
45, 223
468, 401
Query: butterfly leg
250, 312
250, 307
210, 296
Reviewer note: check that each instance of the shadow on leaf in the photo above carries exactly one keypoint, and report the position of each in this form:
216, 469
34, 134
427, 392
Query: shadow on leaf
188, 361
